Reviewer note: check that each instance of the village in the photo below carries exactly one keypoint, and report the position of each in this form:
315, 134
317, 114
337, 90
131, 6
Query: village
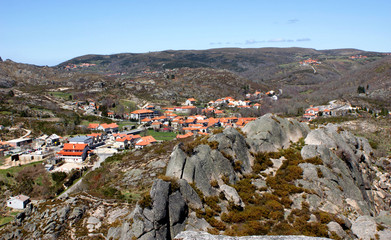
150, 125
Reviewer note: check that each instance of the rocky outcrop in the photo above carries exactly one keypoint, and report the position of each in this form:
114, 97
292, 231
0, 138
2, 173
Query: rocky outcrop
270, 133
207, 164
7, 83
193, 235
163, 218
348, 171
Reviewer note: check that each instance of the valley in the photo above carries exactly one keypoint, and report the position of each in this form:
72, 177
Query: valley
234, 142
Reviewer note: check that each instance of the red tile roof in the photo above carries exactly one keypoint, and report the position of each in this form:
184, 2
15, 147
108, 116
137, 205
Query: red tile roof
93, 125
70, 153
189, 134
140, 111
74, 146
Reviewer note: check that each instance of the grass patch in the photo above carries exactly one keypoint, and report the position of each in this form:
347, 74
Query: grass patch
4, 220
14, 170
165, 136
5, 113
63, 95
127, 104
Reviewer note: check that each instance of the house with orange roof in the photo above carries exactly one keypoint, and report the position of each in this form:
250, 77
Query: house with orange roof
146, 120
111, 114
219, 101
257, 106
171, 115
190, 121
93, 126
123, 142
109, 128
189, 134
156, 125
196, 125
142, 113
309, 116
203, 122
150, 107
243, 121
219, 112
190, 102
228, 99
312, 110
74, 152
327, 112
145, 141
213, 122
97, 137
203, 130
185, 109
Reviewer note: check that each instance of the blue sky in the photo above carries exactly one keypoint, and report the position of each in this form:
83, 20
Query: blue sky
50, 32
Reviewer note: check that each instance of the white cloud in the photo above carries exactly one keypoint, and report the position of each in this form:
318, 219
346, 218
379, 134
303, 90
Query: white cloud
252, 41
292, 21
303, 40
280, 40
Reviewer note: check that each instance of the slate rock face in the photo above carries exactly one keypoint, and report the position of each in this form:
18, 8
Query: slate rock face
270, 133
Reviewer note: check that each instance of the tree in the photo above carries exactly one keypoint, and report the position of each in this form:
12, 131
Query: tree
11, 93
103, 108
384, 112
361, 89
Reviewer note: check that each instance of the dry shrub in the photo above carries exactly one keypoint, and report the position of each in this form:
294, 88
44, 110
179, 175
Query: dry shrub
218, 130
146, 201
245, 190
174, 185
214, 183
315, 160
212, 202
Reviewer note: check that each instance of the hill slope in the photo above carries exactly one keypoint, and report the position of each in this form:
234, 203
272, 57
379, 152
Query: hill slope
337, 75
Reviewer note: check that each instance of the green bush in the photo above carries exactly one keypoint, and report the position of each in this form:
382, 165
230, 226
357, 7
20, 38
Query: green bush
58, 176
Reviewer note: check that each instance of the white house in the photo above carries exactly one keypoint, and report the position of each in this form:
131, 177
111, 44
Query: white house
74, 152
190, 102
53, 139
18, 202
